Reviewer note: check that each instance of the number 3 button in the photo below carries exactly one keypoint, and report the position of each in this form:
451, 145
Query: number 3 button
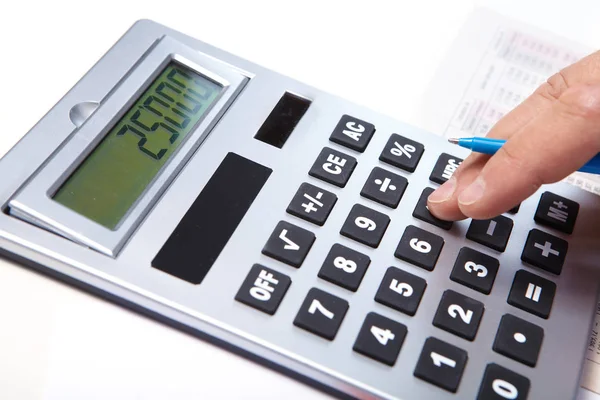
366, 226
380, 338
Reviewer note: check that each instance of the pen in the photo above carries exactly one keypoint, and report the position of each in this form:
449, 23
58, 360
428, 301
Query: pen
491, 146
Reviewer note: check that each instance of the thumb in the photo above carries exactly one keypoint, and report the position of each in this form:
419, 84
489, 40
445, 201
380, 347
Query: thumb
559, 140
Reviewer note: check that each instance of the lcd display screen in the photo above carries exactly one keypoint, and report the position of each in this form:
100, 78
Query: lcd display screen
118, 171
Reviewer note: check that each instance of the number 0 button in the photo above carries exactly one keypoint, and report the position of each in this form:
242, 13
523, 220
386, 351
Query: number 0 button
365, 225
441, 364
500, 383
380, 338
321, 313
459, 314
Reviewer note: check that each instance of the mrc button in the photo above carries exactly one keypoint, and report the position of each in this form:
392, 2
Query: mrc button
556, 212
263, 289
444, 168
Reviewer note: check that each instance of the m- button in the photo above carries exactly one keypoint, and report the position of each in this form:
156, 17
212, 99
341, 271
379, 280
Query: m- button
545, 251
333, 167
557, 212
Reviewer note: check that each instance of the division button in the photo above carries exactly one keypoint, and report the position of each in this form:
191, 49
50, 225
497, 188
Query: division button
500, 383
321, 313
402, 153
519, 339
459, 315
401, 291
344, 267
289, 244
353, 133
556, 212
493, 233
422, 212
532, 293
380, 338
545, 251
441, 364
263, 289
365, 225
419, 247
444, 168
384, 187
333, 167
312, 204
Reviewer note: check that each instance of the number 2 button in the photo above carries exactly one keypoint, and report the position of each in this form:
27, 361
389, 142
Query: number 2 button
380, 338
321, 313
365, 225
459, 314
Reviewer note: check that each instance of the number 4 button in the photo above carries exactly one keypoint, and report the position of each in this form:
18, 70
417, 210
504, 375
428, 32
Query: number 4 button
380, 338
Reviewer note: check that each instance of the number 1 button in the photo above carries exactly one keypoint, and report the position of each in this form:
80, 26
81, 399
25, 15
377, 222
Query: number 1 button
380, 338
364, 225
321, 313
441, 364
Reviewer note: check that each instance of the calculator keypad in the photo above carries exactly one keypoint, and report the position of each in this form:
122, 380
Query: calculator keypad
545, 251
500, 383
493, 233
519, 340
401, 291
263, 289
312, 204
475, 270
422, 212
459, 314
441, 364
380, 338
532, 293
384, 187
321, 313
444, 168
333, 167
402, 153
353, 133
419, 247
344, 267
365, 225
289, 244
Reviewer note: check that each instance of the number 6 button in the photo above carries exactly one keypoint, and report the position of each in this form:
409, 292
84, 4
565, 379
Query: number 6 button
419, 247
364, 225
380, 338
459, 314
321, 313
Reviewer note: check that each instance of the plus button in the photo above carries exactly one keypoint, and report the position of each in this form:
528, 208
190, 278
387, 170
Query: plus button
546, 249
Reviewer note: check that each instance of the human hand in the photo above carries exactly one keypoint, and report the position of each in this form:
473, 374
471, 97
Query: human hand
553, 133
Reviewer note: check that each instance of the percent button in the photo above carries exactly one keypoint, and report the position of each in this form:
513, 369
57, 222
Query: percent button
402, 152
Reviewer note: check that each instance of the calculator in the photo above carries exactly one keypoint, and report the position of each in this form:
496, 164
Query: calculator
290, 226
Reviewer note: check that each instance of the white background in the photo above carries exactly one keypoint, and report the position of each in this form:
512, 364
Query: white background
59, 343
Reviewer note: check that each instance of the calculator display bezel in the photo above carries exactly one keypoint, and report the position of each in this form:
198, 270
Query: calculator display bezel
34, 201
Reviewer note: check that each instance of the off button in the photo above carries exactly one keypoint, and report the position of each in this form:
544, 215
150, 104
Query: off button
263, 289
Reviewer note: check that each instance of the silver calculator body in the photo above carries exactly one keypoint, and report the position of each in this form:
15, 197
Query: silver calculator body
120, 262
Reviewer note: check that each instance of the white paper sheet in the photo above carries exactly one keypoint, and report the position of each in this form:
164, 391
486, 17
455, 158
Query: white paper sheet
493, 65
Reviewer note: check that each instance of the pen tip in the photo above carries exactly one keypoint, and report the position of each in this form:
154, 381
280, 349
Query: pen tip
453, 140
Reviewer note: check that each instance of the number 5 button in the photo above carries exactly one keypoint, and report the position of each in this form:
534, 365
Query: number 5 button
401, 291
459, 314
321, 313
441, 364
380, 338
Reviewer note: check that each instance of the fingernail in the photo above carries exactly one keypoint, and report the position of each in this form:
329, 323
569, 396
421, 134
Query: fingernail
444, 192
472, 193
